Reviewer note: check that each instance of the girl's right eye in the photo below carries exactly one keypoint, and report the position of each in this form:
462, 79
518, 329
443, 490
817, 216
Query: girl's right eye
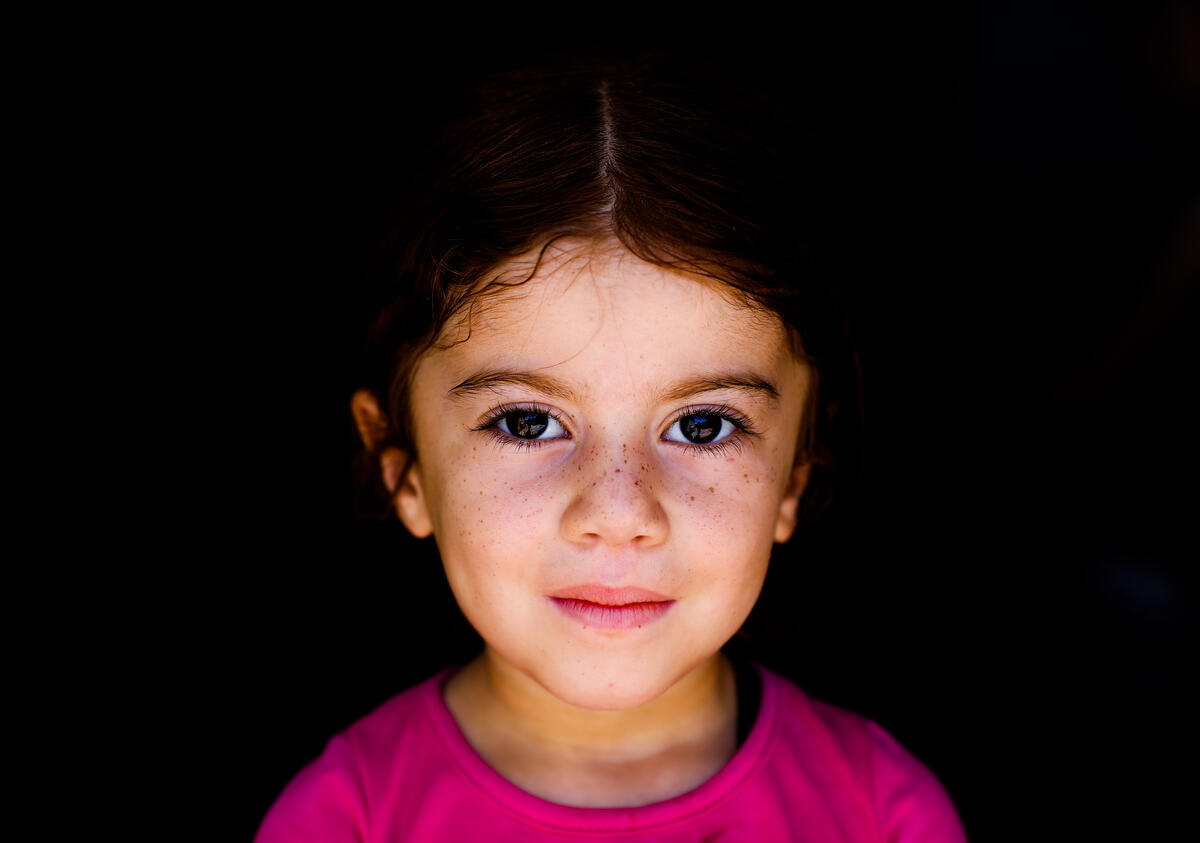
530, 426
524, 427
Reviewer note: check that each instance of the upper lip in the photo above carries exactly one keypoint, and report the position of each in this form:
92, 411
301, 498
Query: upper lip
607, 596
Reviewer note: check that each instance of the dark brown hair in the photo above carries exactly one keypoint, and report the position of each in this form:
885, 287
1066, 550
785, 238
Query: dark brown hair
686, 167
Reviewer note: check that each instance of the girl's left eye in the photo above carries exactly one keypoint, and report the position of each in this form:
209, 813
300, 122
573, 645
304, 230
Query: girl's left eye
703, 428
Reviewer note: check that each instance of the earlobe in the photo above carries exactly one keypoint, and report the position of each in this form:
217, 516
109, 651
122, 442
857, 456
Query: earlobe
400, 478
790, 505
410, 502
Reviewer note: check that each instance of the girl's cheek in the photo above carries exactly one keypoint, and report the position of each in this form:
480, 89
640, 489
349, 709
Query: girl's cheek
726, 496
495, 493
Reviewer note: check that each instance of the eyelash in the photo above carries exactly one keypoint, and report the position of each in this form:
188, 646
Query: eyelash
743, 427
488, 425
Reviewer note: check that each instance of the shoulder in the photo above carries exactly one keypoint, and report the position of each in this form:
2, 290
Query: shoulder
910, 797
907, 800
329, 799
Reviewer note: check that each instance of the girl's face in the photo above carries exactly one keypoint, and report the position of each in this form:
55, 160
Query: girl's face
605, 463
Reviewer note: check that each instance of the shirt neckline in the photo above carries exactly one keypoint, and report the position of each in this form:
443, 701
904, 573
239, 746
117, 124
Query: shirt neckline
541, 813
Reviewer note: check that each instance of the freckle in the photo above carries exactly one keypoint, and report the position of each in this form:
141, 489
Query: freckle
711, 489
691, 497
616, 471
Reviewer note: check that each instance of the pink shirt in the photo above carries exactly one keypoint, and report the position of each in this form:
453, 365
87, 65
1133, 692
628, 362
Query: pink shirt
807, 771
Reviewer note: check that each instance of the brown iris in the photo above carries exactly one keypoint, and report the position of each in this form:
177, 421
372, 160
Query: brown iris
700, 428
526, 425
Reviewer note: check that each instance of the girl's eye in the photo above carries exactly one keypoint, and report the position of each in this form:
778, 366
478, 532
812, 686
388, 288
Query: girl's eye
700, 429
530, 425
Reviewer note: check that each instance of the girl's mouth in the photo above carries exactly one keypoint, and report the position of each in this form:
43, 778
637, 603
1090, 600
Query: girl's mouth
612, 608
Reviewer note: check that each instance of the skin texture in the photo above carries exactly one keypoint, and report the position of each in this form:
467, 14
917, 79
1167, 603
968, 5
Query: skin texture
570, 711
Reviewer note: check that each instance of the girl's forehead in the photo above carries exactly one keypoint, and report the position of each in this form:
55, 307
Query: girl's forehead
602, 287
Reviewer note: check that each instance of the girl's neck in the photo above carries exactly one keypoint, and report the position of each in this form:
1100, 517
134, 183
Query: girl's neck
589, 758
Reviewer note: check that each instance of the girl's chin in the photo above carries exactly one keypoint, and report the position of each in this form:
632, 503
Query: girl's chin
614, 689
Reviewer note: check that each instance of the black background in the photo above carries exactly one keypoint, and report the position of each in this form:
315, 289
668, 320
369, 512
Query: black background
1010, 589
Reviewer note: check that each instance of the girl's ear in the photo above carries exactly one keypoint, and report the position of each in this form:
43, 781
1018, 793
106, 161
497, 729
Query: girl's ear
372, 425
405, 490
790, 505
410, 503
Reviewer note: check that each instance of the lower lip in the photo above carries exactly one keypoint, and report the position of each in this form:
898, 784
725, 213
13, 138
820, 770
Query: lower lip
601, 616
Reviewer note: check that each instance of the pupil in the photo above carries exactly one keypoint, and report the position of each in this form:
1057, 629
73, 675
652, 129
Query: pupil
527, 425
700, 429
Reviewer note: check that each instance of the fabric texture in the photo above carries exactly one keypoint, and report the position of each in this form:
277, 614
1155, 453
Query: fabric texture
808, 771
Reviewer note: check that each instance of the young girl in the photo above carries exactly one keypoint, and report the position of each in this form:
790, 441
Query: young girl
600, 380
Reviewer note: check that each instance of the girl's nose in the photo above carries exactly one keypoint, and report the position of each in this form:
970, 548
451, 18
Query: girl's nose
615, 504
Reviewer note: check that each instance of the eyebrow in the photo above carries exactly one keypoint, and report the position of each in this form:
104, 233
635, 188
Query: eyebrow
490, 381
750, 383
